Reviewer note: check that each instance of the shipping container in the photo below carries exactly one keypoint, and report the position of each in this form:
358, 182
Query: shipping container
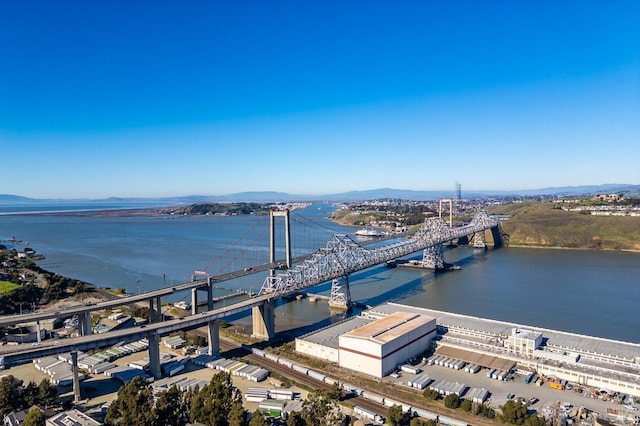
316, 375
299, 368
373, 397
370, 415
270, 356
425, 414
410, 369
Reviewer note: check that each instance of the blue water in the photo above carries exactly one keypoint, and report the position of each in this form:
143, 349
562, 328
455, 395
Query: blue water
594, 293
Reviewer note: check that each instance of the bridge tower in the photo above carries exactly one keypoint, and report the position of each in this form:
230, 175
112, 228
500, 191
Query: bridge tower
263, 317
450, 201
340, 294
272, 239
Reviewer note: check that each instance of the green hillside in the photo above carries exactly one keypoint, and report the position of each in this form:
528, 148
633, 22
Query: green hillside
544, 224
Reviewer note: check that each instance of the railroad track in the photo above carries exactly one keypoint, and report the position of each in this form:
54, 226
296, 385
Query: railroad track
231, 349
302, 379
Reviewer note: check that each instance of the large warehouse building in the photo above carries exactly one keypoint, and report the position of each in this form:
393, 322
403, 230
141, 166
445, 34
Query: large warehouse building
378, 347
373, 345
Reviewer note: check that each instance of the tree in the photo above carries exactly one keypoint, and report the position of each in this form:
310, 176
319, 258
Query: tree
238, 415
465, 405
30, 394
452, 401
10, 395
34, 417
47, 393
396, 417
534, 420
319, 410
257, 419
133, 406
335, 393
141, 312
431, 394
196, 340
214, 403
170, 408
295, 419
514, 412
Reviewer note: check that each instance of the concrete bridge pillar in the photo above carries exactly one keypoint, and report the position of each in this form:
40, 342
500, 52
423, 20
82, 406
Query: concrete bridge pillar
214, 337
76, 379
264, 321
194, 301
159, 309
500, 238
154, 355
209, 294
433, 257
85, 323
151, 311
38, 336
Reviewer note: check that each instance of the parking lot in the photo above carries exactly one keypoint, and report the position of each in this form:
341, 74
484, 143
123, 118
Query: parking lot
515, 386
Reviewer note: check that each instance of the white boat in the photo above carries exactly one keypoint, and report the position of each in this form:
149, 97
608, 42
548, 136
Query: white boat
370, 232
182, 305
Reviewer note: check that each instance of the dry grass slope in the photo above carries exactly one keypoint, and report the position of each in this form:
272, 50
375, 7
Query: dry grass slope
542, 224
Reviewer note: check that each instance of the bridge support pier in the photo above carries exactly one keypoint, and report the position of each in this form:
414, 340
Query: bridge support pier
151, 311
85, 323
154, 355
340, 294
76, 379
194, 301
214, 337
209, 294
479, 240
38, 336
500, 238
433, 257
264, 321
159, 309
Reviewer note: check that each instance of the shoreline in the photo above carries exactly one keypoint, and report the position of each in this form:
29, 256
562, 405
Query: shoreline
537, 246
574, 248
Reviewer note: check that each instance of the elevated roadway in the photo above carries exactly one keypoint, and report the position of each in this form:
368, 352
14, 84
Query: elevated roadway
27, 352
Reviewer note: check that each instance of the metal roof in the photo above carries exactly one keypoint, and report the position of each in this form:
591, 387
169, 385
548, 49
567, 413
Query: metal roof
389, 328
555, 338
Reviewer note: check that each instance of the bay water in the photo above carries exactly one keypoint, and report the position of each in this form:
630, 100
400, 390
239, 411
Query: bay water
585, 292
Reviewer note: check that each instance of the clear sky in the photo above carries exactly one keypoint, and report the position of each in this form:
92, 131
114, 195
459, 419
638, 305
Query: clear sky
163, 98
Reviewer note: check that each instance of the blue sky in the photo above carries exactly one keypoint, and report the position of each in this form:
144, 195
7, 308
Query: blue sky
161, 98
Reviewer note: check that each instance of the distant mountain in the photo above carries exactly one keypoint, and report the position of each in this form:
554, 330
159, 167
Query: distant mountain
371, 194
8, 198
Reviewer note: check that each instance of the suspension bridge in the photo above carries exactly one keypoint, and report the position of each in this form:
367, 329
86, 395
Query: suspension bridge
340, 256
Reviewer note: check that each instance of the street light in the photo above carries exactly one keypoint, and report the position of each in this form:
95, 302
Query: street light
138, 285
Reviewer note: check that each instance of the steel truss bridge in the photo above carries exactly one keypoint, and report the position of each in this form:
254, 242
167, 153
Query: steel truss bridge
342, 255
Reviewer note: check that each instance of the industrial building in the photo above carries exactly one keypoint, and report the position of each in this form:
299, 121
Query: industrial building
378, 340
372, 345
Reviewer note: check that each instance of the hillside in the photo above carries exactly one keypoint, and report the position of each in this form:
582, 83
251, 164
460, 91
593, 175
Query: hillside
543, 224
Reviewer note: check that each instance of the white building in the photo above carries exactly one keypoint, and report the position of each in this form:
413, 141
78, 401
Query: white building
523, 342
378, 347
